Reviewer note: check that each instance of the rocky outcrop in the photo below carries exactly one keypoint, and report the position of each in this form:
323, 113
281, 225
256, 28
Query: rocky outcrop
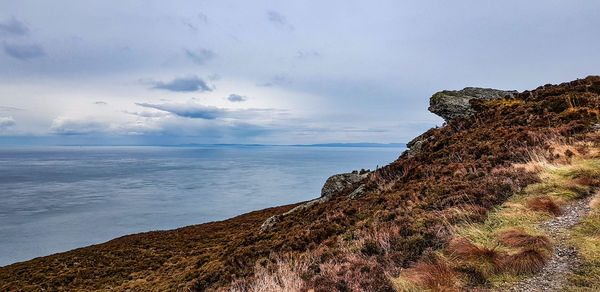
452, 104
338, 182
415, 145
333, 185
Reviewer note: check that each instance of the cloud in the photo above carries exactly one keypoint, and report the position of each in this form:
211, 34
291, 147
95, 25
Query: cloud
188, 110
101, 103
6, 122
147, 114
236, 98
13, 27
190, 25
278, 19
10, 109
279, 79
200, 56
24, 51
302, 54
185, 84
203, 17
68, 126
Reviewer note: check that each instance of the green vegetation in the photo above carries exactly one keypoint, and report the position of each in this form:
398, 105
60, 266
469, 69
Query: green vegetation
586, 237
467, 197
510, 245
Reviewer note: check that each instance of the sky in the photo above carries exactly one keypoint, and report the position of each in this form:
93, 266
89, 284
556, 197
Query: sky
271, 72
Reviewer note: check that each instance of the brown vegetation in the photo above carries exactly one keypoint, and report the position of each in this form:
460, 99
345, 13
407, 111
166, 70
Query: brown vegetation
519, 238
465, 169
527, 261
434, 274
464, 249
544, 204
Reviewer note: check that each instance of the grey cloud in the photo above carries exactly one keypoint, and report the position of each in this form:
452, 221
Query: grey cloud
62, 126
190, 25
10, 109
214, 76
23, 51
101, 103
203, 17
279, 79
190, 83
303, 54
13, 27
200, 56
236, 98
189, 110
6, 122
146, 114
277, 18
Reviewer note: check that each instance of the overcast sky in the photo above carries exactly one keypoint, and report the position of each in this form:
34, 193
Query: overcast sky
276, 72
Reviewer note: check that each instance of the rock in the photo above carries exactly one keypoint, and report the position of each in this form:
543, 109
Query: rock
276, 218
359, 192
415, 145
452, 104
332, 186
270, 222
338, 182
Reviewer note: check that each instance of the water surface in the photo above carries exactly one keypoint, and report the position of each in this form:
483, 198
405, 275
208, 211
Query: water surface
55, 199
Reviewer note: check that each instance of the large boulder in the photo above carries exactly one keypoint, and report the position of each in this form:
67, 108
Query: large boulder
333, 185
338, 182
452, 104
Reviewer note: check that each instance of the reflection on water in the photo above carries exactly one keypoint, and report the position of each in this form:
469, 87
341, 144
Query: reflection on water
60, 198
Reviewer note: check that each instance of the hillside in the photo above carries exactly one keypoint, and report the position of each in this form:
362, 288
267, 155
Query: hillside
477, 203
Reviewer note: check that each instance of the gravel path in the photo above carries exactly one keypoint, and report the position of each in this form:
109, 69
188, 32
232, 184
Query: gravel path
564, 257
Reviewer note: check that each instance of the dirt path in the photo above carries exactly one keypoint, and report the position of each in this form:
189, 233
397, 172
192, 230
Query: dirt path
564, 257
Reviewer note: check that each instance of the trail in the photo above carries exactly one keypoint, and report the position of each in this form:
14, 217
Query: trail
564, 257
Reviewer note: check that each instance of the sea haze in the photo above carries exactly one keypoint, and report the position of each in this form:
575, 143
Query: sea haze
58, 198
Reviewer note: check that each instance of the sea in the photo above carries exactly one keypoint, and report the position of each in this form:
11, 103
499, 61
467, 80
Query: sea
54, 199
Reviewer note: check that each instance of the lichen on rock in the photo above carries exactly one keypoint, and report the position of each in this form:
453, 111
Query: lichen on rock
338, 182
452, 104
333, 185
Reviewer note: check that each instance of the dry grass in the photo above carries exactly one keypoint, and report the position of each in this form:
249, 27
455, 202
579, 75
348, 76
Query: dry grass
467, 162
509, 244
519, 238
527, 261
595, 202
285, 278
436, 275
464, 249
544, 204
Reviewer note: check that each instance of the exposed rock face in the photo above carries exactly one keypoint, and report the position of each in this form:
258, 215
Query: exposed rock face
339, 182
452, 104
415, 145
333, 185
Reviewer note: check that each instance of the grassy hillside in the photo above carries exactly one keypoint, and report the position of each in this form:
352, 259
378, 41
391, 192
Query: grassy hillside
404, 229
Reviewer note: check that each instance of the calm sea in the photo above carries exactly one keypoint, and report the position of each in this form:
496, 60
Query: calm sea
59, 198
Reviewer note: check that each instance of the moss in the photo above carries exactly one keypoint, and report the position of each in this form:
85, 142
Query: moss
504, 102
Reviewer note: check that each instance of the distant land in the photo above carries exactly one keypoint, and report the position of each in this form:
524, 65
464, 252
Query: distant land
47, 141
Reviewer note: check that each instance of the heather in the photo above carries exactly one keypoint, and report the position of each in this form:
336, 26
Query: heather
396, 236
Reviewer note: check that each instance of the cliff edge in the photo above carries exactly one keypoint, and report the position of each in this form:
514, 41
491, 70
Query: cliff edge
399, 231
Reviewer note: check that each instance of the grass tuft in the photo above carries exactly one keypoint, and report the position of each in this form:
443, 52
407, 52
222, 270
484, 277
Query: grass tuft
519, 238
544, 204
527, 261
